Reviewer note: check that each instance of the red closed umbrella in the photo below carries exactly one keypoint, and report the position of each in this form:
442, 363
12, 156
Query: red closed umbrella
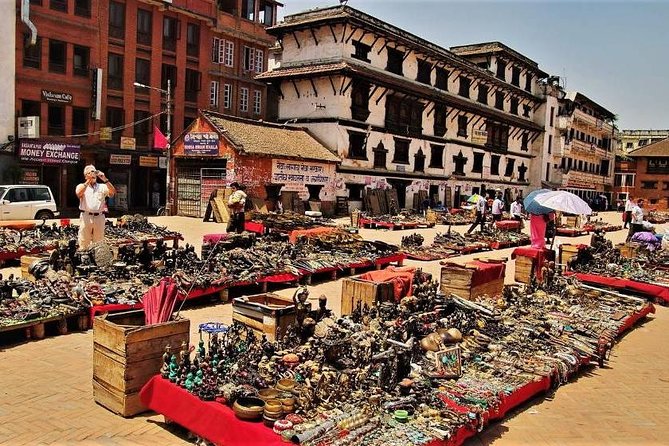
159, 301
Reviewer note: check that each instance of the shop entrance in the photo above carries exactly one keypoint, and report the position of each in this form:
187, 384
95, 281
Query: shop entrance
194, 185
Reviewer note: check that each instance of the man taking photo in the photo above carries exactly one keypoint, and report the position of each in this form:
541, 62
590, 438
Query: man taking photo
92, 193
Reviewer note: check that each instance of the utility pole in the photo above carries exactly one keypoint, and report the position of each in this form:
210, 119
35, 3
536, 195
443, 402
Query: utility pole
168, 189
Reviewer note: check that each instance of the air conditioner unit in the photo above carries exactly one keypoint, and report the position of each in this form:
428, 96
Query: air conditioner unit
28, 127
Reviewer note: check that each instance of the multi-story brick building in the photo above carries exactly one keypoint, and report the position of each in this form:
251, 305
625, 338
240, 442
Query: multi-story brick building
625, 170
79, 77
651, 181
8, 14
403, 112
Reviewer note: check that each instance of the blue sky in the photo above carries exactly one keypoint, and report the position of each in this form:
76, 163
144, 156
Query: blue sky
616, 53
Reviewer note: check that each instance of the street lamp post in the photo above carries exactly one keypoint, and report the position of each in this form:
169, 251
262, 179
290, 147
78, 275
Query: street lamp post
168, 135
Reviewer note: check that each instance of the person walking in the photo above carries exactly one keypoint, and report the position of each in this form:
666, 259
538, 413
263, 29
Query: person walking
629, 204
480, 214
236, 203
497, 207
92, 193
636, 224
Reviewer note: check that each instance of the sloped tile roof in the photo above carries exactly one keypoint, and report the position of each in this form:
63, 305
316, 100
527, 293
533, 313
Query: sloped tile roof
660, 148
261, 138
297, 71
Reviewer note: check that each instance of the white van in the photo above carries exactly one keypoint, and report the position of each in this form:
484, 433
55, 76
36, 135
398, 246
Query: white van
27, 202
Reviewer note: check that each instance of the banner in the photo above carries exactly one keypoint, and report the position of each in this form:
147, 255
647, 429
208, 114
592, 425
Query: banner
201, 143
297, 174
124, 160
49, 152
148, 161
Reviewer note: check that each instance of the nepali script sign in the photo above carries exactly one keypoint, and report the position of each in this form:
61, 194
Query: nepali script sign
296, 174
201, 143
49, 152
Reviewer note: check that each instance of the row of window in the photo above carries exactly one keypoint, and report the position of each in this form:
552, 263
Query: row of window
57, 56
653, 185
56, 117
603, 143
602, 168
82, 8
404, 115
624, 180
357, 143
214, 95
424, 74
223, 52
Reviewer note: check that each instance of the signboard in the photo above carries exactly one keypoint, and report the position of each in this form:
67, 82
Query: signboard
296, 174
201, 143
162, 162
127, 143
28, 127
49, 152
56, 97
29, 176
479, 136
105, 133
124, 160
148, 161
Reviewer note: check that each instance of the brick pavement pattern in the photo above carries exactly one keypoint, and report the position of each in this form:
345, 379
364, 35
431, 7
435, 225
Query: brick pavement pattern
46, 392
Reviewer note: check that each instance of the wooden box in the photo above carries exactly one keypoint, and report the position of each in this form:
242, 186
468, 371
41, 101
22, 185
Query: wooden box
126, 354
524, 269
567, 252
628, 250
457, 279
354, 290
265, 313
572, 221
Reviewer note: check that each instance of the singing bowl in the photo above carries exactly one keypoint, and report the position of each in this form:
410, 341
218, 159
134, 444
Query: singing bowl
249, 408
268, 394
286, 385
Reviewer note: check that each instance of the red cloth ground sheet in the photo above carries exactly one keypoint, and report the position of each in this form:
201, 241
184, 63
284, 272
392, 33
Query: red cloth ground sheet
211, 420
507, 224
401, 277
647, 289
213, 238
540, 255
253, 226
293, 235
486, 272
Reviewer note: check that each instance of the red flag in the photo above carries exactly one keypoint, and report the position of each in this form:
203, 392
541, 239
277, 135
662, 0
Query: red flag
159, 140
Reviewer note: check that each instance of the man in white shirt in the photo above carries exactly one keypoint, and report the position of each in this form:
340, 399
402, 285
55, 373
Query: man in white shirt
629, 204
92, 194
480, 214
517, 209
637, 219
497, 207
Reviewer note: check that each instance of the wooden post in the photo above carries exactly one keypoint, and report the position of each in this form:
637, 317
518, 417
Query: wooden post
83, 323
264, 287
37, 331
224, 295
62, 326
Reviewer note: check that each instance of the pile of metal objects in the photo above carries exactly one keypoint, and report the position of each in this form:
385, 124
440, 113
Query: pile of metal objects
603, 259
492, 236
658, 217
457, 219
22, 300
412, 371
289, 221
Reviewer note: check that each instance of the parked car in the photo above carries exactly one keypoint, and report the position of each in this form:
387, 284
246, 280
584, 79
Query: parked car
27, 202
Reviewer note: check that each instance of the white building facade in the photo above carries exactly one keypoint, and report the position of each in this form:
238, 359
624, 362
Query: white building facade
630, 140
405, 113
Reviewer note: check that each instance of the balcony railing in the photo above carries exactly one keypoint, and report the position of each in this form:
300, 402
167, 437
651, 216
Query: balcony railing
592, 121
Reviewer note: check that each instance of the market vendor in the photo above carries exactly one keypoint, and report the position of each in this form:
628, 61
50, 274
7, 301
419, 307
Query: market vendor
517, 209
497, 207
236, 203
92, 193
637, 219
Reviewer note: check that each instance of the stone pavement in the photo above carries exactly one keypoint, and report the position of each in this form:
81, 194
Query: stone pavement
46, 393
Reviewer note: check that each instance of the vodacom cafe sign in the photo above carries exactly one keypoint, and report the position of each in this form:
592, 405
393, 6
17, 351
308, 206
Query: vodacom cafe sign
49, 152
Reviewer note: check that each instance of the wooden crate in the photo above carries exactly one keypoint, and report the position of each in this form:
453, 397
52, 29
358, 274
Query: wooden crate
354, 290
567, 252
628, 250
126, 354
265, 313
524, 269
572, 221
457, 279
